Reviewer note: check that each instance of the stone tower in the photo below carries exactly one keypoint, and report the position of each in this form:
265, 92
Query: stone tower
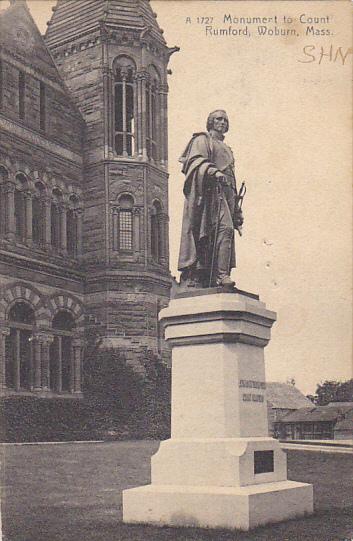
113, 58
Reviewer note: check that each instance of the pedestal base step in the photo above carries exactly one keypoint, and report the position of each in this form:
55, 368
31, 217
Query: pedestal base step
217, 507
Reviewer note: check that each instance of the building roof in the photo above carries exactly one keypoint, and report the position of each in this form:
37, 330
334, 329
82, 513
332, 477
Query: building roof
317, 413
345, 424
284, 396
72, 18
345, 405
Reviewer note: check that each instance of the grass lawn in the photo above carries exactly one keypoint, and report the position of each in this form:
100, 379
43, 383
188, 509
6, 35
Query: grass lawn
72, 492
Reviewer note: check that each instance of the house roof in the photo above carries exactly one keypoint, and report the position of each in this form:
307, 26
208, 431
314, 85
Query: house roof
345, 405
317, 413
284, 396
72, 18
345, 424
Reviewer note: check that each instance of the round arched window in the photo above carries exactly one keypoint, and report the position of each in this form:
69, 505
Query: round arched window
125, 223
55, 218
156, 231
124, 106
19, 356
61, 372
38, 214
4, 176
72, 228
20, 206
152, 113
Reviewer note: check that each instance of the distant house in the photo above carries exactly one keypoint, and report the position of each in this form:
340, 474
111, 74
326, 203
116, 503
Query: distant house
344, 429
334, 421
281, 400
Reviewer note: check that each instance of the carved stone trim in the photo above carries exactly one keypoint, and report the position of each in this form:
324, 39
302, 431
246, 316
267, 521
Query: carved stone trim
82, 42
8, 187
4, 331
143, 75
43, 338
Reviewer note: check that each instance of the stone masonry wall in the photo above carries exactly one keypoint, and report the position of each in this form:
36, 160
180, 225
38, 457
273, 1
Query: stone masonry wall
63, 125
82, 73
94, 217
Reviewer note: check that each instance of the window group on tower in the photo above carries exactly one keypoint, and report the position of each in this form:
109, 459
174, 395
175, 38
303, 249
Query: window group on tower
139, 110
126, 216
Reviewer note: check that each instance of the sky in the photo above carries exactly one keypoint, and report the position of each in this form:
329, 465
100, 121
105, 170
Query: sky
288, 98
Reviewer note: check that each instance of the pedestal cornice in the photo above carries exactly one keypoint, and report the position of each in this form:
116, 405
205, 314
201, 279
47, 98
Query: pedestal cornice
217, 317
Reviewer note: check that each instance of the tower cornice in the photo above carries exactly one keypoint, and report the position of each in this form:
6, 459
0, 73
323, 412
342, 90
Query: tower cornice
112, 35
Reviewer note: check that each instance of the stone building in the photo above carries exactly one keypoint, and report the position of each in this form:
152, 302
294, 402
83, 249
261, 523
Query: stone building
84, 189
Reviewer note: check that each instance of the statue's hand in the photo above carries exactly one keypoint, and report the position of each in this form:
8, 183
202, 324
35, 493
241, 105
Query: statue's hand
221, 178
238, 218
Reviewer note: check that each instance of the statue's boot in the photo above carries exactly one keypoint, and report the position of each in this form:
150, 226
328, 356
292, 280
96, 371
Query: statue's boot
225, 246
225, 281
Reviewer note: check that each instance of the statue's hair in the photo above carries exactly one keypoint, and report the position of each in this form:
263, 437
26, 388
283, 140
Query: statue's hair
212, 116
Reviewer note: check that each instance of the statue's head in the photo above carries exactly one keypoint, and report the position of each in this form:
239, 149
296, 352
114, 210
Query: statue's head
217, 115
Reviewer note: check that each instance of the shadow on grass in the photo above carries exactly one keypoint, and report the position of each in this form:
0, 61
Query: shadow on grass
73, 493
335, 525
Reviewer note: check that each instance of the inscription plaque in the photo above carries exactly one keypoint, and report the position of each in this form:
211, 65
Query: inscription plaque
263, 462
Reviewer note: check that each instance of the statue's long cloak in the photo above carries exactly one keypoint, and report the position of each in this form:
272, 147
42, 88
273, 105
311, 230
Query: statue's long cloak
199, 191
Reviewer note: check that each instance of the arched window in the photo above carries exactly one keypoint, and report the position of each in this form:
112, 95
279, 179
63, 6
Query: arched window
38, 213
60, 377
72, 230
4, 176
42, 106
55, 217
19, 365
20, 207
125, 223
156, 231
55, 225
124, 113
1, 84
152, 113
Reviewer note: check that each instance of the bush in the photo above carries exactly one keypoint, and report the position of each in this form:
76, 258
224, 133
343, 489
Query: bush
118, 403
126, 403
29, 418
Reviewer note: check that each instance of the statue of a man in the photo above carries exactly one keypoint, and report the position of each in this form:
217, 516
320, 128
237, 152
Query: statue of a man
211, 209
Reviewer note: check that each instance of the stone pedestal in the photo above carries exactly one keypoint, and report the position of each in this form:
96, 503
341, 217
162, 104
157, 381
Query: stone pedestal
219, 469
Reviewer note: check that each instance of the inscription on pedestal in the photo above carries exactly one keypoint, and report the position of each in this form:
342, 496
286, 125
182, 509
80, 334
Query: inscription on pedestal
263, 462
252, 384
249, 397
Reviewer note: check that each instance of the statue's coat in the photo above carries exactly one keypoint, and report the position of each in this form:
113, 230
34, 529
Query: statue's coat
199, 191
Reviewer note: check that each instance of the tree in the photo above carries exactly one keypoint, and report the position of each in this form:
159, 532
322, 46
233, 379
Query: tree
334, 391
113, 391
156, 397
122, 400
345, 391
